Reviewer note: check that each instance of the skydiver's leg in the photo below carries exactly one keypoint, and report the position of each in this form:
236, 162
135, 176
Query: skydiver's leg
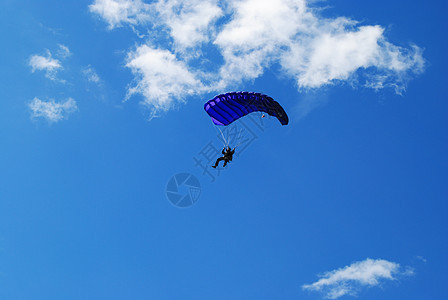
217, 162
225, 162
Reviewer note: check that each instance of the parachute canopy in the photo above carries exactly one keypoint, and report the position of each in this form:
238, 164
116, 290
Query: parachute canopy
229, 107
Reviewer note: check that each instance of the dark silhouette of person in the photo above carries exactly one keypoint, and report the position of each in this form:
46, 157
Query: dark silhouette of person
227, 156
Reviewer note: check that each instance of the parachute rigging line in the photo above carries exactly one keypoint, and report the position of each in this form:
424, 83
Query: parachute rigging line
225, 143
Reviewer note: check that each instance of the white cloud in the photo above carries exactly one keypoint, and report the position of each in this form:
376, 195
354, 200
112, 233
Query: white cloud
316, 51
161, 78
335, 56
189, 22
254, 37
91, 75
117, 12
421, 258
251, 36
48, 64
64, 51
52, 111
348, 280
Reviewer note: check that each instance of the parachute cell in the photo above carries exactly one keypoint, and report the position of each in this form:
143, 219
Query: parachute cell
229, 107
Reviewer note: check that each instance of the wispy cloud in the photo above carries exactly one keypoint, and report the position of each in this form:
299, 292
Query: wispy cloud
421, 258
64, 51
190, 23
350, 279
250, 36
119, 12
91, 75
160, 78
45, 63
51, 110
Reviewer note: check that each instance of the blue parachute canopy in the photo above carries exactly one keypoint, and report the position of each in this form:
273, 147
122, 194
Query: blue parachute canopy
226, 108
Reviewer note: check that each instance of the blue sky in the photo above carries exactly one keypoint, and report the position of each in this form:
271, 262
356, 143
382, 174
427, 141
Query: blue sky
102, 104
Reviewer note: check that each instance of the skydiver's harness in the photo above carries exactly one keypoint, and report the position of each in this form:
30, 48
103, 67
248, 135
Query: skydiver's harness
228, 155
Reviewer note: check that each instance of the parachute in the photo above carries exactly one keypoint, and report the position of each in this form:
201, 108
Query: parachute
227, 108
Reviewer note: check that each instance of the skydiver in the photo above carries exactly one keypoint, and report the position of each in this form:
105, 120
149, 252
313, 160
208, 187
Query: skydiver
227, 156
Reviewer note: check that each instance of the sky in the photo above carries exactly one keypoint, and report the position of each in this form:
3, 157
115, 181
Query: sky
106, 185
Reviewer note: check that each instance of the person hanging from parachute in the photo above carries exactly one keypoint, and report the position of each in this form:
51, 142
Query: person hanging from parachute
227, 108
227, 156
